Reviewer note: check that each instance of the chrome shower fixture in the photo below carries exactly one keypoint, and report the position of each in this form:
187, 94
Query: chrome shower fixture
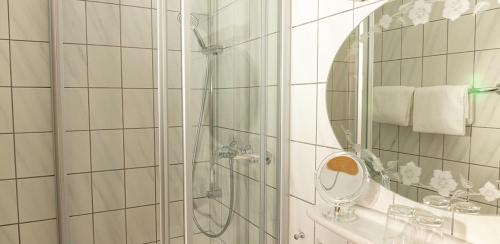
207, 50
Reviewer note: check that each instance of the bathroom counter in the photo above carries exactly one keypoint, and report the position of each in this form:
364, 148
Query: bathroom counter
368, 228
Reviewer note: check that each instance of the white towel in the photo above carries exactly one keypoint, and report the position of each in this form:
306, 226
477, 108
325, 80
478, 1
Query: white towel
441, 109
392, 104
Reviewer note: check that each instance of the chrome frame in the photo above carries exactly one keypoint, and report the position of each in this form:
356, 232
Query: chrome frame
162, 72
56, 49
187, 143
263, 102
284, 38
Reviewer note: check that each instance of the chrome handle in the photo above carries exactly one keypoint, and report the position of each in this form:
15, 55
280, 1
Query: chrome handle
300, 235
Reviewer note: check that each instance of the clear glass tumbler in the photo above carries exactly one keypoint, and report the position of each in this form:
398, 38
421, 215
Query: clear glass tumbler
398, 226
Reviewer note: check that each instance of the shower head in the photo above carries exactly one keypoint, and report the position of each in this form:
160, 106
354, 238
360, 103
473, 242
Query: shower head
194, 25
207, 50
194, 20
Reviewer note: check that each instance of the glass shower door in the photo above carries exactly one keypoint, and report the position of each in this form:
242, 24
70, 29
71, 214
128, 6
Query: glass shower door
229, 112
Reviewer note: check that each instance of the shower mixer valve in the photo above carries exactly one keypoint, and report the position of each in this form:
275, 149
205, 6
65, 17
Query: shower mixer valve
235, 151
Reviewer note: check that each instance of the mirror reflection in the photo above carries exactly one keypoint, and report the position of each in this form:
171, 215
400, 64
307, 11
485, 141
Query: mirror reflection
414, 90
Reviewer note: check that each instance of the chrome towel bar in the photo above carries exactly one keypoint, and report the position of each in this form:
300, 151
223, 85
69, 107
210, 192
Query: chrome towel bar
486, 89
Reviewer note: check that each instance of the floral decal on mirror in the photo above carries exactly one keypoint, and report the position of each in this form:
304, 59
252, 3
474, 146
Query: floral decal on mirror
441, 181
419, 11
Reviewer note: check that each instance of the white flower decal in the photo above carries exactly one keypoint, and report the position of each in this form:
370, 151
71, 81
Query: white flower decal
410, 173
392, 164
454, 8
489, 192
443, 182
385, 21
420, 12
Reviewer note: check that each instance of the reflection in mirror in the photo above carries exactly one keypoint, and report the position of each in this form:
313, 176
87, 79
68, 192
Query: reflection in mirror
414, 91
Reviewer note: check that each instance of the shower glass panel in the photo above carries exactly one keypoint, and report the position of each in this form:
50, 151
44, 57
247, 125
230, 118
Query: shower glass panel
230, 96
110, 125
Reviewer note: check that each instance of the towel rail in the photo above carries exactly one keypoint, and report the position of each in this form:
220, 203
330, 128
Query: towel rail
486, 89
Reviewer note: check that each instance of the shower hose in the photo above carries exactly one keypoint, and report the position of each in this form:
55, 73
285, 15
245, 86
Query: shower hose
201, 117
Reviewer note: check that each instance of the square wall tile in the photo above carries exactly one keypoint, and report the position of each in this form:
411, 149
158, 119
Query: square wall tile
30, 64
7, 166
9, 234
105, 108
485, 70
487, 110
43, 232
108, 190
412, 38
139, 147
303, 113
435, 37
391, 44
8, 203
302, 169
4, 19
107, 149
34, 154
140, 186
141, 225
460, 69
457, 148
76, 108
29, 20
457, 169
409, 141
138, 108
103, 24
431, 145
459, 34
75, 65
109, 227
4, 61
488, 30
434, 70
136, 27
391, 73
480, 175
137, 68
81, 228
104, 66
484, 148
299, 221
77, 151
304, 54
37, 198
304, 11
80, 193
5, 110
33, 109
74, 26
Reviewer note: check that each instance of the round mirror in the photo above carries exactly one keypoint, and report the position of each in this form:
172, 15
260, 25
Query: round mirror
340, 178
414, 90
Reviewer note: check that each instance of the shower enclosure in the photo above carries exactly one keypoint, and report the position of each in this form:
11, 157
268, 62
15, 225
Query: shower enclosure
141, 121
222, 118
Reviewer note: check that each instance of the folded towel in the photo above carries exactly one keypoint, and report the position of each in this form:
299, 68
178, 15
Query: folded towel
441, 109
392, 104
